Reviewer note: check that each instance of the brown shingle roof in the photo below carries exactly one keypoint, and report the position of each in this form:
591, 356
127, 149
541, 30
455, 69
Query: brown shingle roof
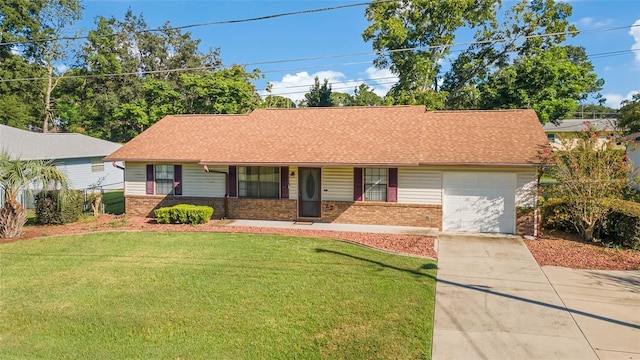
400, 136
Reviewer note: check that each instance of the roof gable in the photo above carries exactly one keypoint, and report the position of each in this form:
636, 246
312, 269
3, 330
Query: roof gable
27, 145
366, 136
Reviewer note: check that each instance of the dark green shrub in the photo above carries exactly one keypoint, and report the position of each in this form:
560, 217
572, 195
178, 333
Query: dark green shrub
183, 214
56, 207
554, 215
622, 226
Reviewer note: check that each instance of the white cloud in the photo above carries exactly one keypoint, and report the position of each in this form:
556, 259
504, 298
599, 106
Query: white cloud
591, 23
294, 86
635, 32
61, 68
614, 100
382, 80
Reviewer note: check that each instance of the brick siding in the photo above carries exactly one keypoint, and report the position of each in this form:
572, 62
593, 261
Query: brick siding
525, 221
345, 212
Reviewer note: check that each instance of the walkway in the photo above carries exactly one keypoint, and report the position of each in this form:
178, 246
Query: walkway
379, 229
494, 302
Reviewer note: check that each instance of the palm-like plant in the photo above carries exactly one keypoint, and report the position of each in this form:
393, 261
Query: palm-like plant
17, 175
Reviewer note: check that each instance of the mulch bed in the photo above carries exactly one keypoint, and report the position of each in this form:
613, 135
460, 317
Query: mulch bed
404, 244
558, 249
567, 250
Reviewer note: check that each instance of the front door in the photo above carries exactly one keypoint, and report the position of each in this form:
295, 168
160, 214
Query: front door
309, 196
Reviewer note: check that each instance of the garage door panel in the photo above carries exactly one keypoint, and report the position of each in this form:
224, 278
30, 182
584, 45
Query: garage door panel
479, 202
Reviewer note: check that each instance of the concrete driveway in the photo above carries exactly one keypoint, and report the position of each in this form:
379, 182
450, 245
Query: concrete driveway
605, 305
494, 302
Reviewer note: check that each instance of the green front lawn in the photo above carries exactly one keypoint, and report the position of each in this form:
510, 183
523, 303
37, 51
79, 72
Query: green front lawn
211, 296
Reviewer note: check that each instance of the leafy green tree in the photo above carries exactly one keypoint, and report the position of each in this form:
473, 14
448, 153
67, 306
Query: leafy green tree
411, 38
363, 95
226, 91
29, 27
523, 59
550, 82
318, 95
277, 101
16, 176
595, 111
629, 115
590, 176
341, 99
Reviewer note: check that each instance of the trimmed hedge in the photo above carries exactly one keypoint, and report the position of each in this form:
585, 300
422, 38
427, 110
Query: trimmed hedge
183, 214
622, 227
554, 215
55, 207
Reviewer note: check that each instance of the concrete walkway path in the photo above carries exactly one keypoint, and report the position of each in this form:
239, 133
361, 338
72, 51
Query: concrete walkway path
380, 229
605, 305
494, 302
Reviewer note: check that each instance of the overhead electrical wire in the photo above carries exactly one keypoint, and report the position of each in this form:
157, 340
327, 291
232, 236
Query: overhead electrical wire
189, 26
269, 62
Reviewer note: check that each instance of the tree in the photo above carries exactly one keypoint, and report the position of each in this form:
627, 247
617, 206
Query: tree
319, 95
277, 101
629, 114
551, 83
523, 59
341, 99
16, 176
363, 95
590, 176
411, 39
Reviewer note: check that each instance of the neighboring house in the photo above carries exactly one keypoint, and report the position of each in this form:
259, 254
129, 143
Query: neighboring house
566, 129
470, 171
78, 156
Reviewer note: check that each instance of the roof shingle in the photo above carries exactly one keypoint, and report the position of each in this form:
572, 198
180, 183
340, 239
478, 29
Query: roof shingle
365, 136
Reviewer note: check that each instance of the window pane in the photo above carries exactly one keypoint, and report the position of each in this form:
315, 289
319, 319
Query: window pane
375, 184
259, 181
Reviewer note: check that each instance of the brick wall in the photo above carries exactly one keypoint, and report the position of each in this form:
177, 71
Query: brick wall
525, 221
262, 209
376, 213
144, 205
286, 210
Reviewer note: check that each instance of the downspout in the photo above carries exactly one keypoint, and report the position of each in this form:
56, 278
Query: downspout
225, 202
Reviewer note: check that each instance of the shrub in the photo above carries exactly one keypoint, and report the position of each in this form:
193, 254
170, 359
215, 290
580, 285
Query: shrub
553, 214
55, 207
183, 214
622, 226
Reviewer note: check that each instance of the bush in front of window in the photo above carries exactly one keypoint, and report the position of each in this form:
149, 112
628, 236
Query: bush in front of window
184, 214
55, 207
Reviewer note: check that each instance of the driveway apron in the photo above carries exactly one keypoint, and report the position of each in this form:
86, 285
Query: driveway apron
494, 302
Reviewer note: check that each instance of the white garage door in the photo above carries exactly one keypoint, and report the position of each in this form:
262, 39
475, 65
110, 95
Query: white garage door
479, 202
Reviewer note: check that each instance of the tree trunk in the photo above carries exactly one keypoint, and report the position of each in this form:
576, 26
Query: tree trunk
12, 220
47, 99
587, 235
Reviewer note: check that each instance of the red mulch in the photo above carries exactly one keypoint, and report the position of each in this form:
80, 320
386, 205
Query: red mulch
566, 250
405, 244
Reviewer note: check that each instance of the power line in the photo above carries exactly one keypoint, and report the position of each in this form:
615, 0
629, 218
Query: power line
164, 71
189, 26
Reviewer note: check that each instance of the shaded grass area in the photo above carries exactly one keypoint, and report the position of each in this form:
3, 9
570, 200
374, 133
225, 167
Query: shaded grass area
208, 295
113, 202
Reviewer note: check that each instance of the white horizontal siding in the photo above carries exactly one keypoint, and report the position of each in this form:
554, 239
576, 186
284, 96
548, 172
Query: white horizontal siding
293, 183
197, 182
337, 184
135, 177
419, 186
80, 175
526, 189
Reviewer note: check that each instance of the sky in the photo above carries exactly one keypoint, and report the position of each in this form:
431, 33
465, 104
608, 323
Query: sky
292, 50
